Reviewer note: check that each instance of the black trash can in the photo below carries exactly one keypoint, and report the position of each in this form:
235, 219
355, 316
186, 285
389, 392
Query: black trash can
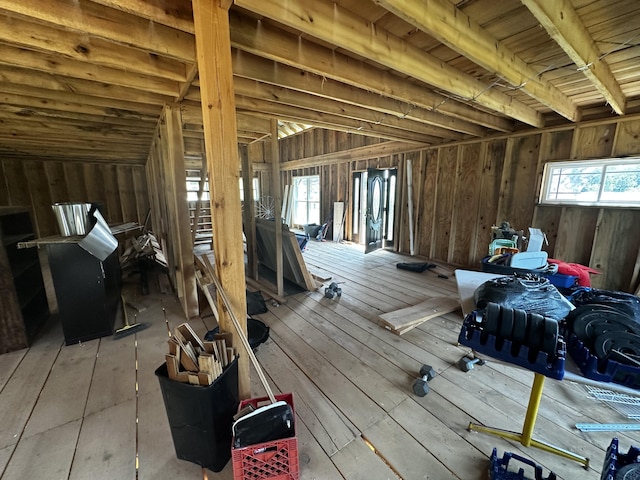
200, 417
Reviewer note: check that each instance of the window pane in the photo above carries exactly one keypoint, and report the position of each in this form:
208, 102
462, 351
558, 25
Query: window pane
612, 181
622, 183
575, 183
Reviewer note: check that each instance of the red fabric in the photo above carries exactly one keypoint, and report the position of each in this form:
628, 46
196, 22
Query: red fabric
580, 271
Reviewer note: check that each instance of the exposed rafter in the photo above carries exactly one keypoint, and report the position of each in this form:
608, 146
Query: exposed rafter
442, 20
258, 38
329, 22
565, 26
263, 70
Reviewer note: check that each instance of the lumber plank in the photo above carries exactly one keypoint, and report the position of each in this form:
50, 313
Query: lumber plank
358, 462
331, 429
64, 395
399, 321
97, 456
20, 394
395, 445
113, 379
54, 461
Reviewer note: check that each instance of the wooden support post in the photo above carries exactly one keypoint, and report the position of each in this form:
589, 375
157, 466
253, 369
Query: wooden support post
213, 46
277, 200
176, 180
248, 213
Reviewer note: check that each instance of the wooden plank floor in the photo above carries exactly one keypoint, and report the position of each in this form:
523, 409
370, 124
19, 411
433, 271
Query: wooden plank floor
95, 410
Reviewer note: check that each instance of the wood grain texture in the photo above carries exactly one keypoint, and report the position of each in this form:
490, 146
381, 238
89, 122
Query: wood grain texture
466, 204
445, 187
593, 141
627, 141
615, 248
517, 191
576, 231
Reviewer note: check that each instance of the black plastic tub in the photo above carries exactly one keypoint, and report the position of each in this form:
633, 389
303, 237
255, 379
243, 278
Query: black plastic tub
200, 417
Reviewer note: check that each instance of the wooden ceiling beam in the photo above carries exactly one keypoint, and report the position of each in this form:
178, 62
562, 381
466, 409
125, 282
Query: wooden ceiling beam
568, 30
247, 65
56, 65
263, 40
65, 157
288, 113
82, 87
86, 103
331, 23
107, 23
79, 46
252, 89
451, 26
19, 104
176, 14
244, 121
367, 152
88, 122
25, 140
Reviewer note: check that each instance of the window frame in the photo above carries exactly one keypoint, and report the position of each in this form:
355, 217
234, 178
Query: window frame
307, 202
604, 163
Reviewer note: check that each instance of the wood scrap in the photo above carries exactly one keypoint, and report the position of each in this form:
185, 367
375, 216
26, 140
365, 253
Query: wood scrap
405, 319
193, 361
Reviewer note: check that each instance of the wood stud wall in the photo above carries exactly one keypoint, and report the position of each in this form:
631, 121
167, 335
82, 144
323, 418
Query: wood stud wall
120, 189
461, 190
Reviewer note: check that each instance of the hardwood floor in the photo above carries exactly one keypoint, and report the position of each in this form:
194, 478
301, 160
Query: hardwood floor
95, 410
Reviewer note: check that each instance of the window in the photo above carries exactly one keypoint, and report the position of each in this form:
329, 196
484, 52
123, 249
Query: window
605, 182
256, 189
306, 200
193, 186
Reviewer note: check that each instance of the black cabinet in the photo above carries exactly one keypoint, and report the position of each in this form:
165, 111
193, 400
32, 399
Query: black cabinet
87, 290
23, 300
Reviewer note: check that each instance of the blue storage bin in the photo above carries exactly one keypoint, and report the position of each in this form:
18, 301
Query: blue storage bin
614, 460
499, 468
549, 366
562, 281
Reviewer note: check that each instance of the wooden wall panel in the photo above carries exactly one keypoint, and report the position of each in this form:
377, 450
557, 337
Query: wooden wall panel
553, 146
126, 192
576, 231
447, 163
627, 138
517, 191
17, 184
40, 198
492, 165
4, 189
615, 248
111, 192
427, 203
594, 141
74, 176
140, 189
466, 204
57, 181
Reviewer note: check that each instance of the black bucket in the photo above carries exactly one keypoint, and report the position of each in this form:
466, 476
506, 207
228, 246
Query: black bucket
257, 333
200, 417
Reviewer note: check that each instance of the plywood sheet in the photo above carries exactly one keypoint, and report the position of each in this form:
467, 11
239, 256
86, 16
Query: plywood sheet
403, 320
294, 268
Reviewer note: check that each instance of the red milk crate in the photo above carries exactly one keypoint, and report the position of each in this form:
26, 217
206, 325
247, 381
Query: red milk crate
274, 460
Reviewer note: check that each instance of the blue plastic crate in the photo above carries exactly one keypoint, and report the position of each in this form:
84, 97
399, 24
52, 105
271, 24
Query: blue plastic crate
562, 281
602, 370
614, 460
499, 468
549, 366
